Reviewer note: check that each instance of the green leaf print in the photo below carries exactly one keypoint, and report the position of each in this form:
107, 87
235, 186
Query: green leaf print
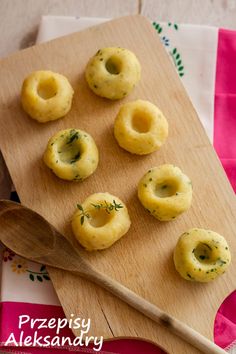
174, 25
41, 275
158, 27
174, 53
177, 61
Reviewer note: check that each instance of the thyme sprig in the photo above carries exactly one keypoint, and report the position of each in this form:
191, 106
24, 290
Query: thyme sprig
83, 214
108, 207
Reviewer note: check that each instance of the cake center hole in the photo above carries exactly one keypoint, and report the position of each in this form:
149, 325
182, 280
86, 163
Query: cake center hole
166, 189
203, 253
113, 65
70, 150
47, 89
141, 122
99, 218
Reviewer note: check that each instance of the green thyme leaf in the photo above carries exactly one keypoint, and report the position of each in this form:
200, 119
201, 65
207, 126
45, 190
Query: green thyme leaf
82, 220
80, 207
74, 135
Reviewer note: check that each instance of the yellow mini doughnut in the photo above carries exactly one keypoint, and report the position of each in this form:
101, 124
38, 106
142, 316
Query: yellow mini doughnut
46, 96
165, 191
201, 255
113, 72
71, 154
140, 127
100, 221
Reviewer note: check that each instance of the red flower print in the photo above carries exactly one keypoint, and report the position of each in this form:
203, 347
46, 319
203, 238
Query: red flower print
8, 255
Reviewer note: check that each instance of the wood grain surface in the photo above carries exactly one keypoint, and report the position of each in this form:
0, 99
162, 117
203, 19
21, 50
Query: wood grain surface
142, 260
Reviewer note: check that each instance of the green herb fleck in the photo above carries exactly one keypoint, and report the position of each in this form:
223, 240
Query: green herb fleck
221, 262
205, 244
78, 178
74, 135
75, 158
189, 275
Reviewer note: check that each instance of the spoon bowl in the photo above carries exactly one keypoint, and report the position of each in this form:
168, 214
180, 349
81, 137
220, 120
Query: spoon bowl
16, 222
31, 236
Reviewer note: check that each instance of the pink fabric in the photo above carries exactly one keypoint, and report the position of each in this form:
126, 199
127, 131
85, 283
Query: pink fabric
225, 145
225, 103
9, 317
225, 322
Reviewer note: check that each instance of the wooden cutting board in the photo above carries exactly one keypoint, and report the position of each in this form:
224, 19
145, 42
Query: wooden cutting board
142, 260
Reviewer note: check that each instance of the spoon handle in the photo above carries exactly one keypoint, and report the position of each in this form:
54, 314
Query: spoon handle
154, 313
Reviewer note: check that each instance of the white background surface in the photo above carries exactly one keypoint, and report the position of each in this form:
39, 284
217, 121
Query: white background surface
19, 19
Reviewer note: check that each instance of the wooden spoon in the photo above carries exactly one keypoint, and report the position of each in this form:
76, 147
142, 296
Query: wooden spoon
29, 235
